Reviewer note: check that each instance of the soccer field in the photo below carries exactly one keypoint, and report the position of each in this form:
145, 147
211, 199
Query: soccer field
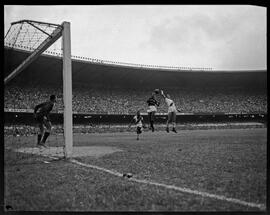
193, 170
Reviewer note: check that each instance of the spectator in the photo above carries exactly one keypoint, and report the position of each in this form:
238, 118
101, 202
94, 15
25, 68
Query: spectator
97, 100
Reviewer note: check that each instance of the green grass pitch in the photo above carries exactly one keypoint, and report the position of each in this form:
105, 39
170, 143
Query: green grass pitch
227, 162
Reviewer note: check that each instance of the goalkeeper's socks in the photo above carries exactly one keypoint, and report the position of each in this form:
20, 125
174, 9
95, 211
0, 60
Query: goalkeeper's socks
39, 138
45, 137
152, 126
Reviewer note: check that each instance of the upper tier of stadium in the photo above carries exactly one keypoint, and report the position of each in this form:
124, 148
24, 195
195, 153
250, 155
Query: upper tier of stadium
48, 69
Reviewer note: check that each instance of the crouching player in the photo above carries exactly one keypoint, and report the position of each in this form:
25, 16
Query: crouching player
41, 114
138, 119
171, 111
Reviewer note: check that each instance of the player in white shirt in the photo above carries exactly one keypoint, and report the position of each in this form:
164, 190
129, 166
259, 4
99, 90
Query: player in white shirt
138, 119
171, 111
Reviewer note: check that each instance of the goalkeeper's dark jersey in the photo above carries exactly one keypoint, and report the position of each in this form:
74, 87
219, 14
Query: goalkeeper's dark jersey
44, 108
152, 102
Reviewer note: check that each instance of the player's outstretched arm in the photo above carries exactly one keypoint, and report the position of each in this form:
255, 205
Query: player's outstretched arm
39, 106
36, 109
162, 93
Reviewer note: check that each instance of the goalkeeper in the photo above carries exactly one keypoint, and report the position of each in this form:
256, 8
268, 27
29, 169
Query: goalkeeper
171, 111
41, 114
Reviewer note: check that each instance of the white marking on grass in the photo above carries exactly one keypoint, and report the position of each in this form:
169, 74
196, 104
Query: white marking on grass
184, 190
96, 167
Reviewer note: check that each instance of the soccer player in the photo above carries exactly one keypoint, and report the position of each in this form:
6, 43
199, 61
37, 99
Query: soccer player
41, 114
152, 109
139, 123
171, 111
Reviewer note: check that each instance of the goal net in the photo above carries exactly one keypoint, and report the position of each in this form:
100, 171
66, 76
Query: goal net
37, 64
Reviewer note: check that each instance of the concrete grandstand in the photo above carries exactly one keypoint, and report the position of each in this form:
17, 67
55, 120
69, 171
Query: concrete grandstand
192, 89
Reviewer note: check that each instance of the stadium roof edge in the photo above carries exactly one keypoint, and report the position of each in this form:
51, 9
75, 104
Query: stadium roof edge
134, 66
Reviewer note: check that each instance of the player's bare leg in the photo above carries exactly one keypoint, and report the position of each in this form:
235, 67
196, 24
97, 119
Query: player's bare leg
48, 126
152, 121
139, 131
40, 134
149, 117
174, 122
152, 126
168, 121
167, 126
174, 130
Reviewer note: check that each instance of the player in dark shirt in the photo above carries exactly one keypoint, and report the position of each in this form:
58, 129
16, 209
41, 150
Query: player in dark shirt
152, 109
41, 114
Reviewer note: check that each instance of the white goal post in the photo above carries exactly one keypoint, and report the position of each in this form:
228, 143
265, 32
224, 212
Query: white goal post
59, 30
67, 90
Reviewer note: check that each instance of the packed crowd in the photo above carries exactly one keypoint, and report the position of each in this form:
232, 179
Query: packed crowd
97, 100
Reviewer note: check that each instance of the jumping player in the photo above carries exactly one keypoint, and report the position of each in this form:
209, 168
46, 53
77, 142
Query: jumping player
152, 109
139, 123
41, 114
171, 112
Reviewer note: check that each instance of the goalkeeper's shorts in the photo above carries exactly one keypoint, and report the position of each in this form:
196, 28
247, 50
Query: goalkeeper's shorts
42, 119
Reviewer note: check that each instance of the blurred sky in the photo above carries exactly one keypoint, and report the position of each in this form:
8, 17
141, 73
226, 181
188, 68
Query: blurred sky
231, 37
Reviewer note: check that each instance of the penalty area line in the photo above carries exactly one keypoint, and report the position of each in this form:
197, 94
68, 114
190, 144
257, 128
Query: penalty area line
172, 187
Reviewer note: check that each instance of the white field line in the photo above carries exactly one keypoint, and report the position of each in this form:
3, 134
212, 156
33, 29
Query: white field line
185, 190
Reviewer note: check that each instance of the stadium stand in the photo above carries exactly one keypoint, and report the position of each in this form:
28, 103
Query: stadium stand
100, 100
116, 89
